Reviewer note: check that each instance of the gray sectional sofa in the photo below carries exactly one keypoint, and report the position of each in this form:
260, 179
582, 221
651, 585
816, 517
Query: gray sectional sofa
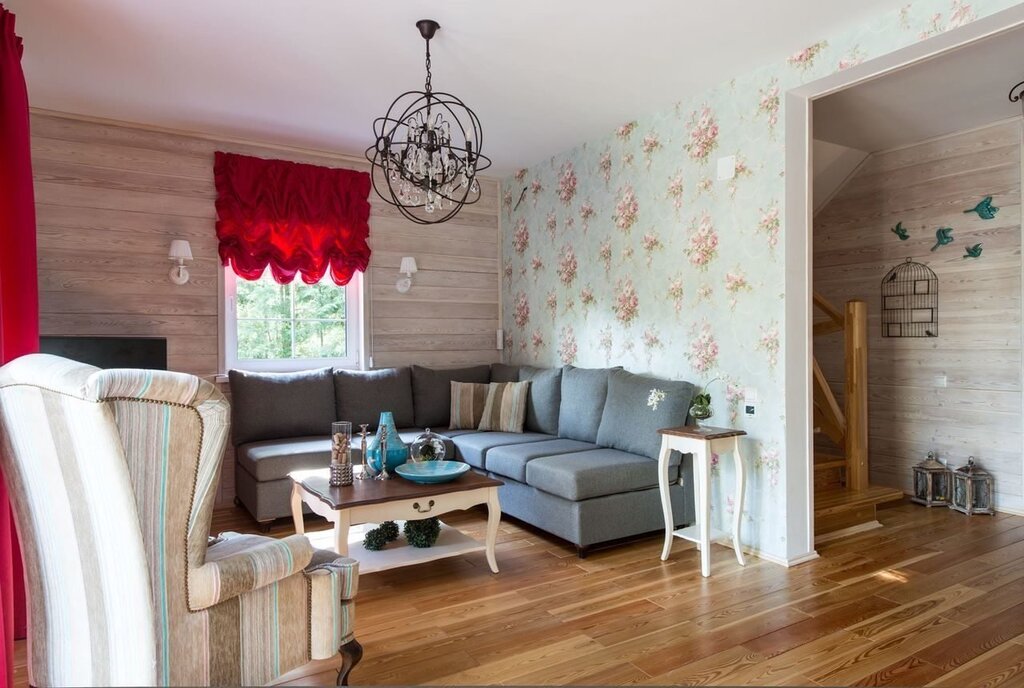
584, 468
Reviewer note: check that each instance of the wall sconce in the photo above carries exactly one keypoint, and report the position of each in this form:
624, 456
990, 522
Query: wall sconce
408, 268
180, 252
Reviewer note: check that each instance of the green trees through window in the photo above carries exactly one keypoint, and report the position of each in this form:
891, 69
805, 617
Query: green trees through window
297, 320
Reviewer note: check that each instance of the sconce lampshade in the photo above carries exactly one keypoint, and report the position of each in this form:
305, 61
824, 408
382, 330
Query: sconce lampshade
408, 266
180, 250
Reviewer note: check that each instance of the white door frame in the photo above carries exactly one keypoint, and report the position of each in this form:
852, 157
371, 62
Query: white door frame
798, 242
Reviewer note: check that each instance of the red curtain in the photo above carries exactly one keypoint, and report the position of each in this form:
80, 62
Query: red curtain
293, 217
19, 297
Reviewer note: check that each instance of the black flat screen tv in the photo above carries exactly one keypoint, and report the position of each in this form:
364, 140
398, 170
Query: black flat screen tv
110, 352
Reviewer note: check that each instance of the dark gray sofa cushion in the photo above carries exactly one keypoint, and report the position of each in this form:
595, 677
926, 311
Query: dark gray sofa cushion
593, 473
543, 401
582, 402
274, 459
432, 391
270, 406
502, 372
473, 446
361, 396
510, 460
629, 423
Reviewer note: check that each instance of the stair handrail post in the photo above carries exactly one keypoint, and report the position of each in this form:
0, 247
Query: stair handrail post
856, 345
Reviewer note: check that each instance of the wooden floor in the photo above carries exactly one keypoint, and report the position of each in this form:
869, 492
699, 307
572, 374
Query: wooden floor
933, 598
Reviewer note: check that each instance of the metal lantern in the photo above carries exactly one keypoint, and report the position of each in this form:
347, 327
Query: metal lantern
931, 482
972, 490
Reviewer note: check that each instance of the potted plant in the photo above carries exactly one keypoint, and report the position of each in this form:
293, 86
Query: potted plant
700, 406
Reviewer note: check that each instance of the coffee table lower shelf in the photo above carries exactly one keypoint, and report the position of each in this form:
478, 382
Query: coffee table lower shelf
450, 543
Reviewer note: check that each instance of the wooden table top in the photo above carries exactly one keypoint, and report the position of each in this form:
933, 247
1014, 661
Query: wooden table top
699, 432
363, 492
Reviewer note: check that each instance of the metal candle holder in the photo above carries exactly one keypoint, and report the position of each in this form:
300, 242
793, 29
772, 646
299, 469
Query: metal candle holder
383, 475
367, 471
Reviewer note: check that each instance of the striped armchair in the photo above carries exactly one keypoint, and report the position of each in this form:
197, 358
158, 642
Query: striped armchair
112, 474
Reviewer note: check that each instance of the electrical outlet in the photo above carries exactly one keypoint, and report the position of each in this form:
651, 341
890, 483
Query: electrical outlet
749, 409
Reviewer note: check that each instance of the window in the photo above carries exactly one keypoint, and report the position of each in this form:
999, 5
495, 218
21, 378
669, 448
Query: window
271, 326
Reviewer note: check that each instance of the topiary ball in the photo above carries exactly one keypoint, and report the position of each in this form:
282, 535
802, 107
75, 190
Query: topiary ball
423, 533
390, 530
374, 540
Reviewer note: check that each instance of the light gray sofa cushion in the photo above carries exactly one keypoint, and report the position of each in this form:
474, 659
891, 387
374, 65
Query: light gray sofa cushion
274, 459
432, 391
582, 402
361, 396
593, 473
629, 423
544, 398
473, 447
502, 372
510, 460
269, 406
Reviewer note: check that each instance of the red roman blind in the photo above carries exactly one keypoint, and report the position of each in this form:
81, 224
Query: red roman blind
294, 217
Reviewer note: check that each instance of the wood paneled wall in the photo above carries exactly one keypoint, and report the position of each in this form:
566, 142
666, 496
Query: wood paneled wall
111, 196
978, 350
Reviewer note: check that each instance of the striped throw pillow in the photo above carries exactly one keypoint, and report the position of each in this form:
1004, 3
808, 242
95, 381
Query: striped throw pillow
468, 399
505, 409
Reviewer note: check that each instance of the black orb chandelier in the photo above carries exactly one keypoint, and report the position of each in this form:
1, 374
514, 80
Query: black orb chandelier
427, 151
1017, 95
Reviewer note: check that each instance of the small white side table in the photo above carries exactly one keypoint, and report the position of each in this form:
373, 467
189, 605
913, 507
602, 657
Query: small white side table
701, 442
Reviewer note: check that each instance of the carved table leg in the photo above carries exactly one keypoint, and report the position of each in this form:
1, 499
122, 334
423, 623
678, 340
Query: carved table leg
351, 653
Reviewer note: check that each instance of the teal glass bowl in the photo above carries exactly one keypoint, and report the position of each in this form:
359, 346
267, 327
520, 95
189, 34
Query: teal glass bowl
431, 472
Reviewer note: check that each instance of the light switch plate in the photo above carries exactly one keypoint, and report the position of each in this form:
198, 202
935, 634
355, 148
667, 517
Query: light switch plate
726, 167
750, 395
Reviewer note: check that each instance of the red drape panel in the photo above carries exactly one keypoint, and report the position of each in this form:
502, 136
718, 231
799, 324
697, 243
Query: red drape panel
296, 218
19, 297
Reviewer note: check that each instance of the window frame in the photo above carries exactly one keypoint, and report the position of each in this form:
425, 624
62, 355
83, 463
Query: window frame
354, 292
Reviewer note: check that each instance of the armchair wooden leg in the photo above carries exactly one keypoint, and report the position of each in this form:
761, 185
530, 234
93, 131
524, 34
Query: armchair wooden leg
351, 653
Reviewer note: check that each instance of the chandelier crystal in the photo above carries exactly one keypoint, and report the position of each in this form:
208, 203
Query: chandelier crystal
427, 151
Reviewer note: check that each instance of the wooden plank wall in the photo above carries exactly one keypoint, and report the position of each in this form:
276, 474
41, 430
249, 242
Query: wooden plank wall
111, 196
978, 349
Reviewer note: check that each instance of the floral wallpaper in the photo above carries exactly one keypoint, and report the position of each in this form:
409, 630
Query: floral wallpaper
628, 250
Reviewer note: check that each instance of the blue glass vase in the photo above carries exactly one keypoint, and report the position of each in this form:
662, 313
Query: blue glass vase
398, 451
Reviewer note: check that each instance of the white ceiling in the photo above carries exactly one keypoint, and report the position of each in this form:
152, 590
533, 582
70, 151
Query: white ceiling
961, 90
543, 75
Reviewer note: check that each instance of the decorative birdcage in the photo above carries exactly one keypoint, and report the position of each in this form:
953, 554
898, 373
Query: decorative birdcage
910, 301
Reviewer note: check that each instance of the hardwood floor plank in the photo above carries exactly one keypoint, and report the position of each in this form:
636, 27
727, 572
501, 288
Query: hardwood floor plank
976, 640
909, 671
882, 653
1002, 666
721, 668
815, 627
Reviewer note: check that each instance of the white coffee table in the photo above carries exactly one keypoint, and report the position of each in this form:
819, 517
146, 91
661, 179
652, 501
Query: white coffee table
397, 499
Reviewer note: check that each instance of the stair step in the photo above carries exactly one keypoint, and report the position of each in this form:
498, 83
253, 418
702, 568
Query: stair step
837, 500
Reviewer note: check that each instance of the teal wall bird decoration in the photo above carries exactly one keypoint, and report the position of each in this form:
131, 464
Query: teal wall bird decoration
900, 232
943, 236
973, 251
985, 209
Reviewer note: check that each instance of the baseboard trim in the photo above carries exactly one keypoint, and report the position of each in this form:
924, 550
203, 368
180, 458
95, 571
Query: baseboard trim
781, 561
846, 532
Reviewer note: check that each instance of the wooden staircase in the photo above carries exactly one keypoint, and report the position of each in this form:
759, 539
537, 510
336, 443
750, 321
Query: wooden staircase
843, 499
